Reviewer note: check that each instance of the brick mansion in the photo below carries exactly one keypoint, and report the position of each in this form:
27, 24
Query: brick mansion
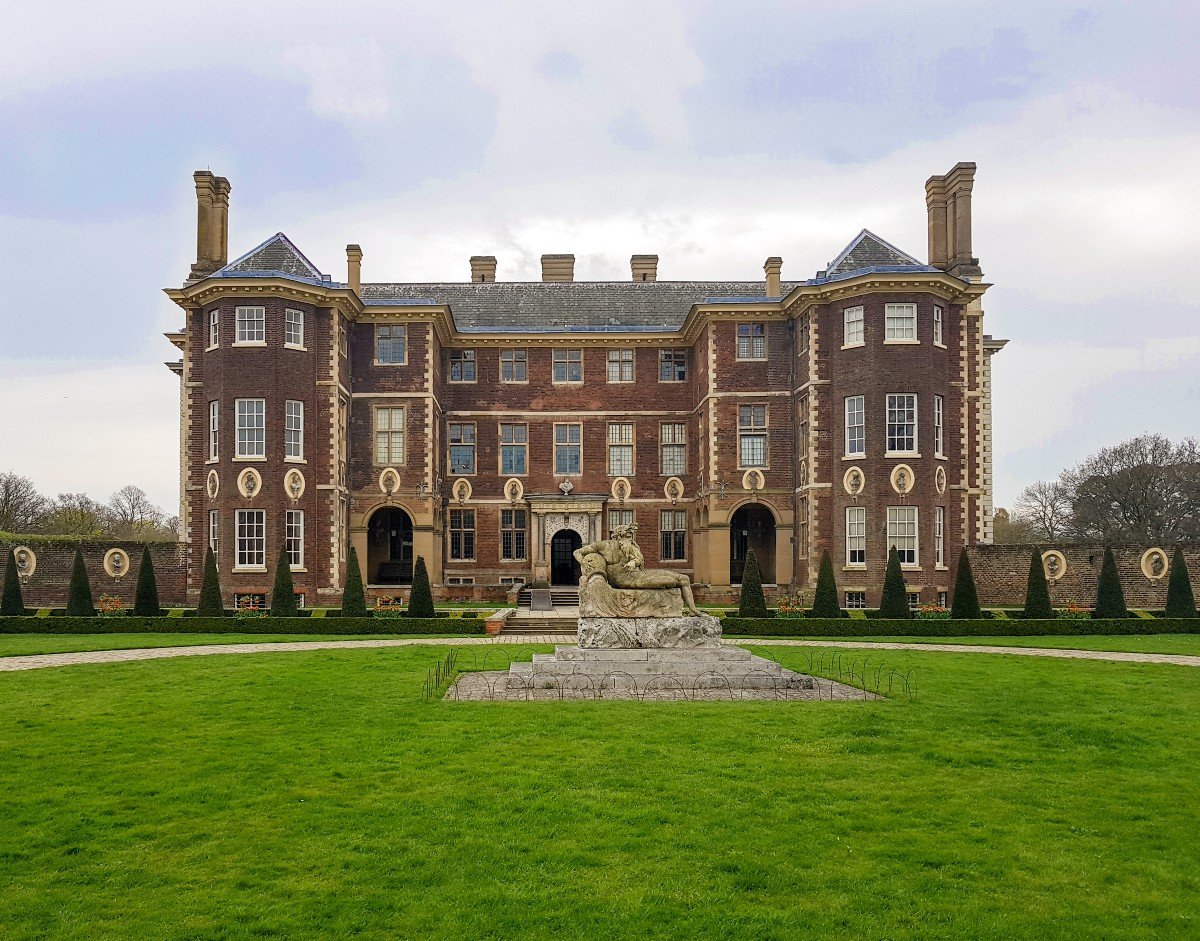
494, 426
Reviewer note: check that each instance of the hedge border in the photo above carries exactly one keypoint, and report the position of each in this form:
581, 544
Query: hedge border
459, 627
942, 627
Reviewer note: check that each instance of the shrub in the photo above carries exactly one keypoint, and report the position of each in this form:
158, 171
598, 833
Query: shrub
211, 605
875, 627
751, 603
1110, 596
966, 597
825, 602
12, 604
283, 595
146, 602
420, 599
895, 596
109, 606
257, 624
354, 601
79, 595
1037, 593
1181, 601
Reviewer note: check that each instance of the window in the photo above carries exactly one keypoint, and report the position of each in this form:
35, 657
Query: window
672, 529
214, 420
512, 581
251, 428
942, 600
618, 519
856, 426
389, 436
914, 600
512, 535
462, 534
293, 328
462, 365
620, 365
513, 366
214, 533
462, 448
343, 338
937, 326
214, 328
251, 325
460, 581
752, 435
852, 335
391, 345
901, 321
293, 431
856, 600
620, 449
902, 532
673, 449
939, 541
568, 365
568, 449
902, 424
251, 539
295, 538
672, 365
856, 535
938, 436
752, 341
513, 448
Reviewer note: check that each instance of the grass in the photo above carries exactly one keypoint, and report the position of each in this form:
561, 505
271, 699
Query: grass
316, 796
13, 645
1134, 643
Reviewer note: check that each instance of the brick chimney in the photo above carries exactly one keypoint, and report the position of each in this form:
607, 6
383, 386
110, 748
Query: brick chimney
212, 224
948, 204
644, 267
354, 268
773, 266
558, 267
483, 268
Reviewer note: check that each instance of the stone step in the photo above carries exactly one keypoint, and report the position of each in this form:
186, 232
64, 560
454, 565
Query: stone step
664, 654
520, 625
547, 664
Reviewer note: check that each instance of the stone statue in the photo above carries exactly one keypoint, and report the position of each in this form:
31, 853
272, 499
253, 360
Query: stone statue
614, 581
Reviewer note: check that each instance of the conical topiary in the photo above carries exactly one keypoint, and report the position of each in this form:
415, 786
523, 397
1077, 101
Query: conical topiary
966, 598
826, 603
894, 603
1037, 593
211, 605
1181, 600
354, 601
145, 605
752, 603
420, 599
283, 596
79, 595
11, 603
1110, 596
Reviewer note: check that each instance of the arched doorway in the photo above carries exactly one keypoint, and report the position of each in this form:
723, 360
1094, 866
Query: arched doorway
564, 570
390, 547
752, 527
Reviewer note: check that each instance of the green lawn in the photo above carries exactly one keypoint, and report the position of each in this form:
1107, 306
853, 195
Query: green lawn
317, 796
1135, 643
12, 645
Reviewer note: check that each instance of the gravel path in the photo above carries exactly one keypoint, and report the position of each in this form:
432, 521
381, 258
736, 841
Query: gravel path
41, 661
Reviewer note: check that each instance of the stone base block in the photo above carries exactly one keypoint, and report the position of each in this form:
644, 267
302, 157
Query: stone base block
697, 631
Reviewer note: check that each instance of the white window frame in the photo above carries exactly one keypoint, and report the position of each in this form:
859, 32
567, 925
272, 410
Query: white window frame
293, 430
214, 534
895, 316
512, 361
251, 330
395, 331
566, 357
567, 443
672, 440
622, 444
856, 425
939, 429
906, 518
396, 438
251, 439
294, 539
939, 537
938, 326
856, 536
250, 532
623, 360
853, 328
755, 346
856, 600
214, 430
214, 328
519, 442
752, 430
293, 329
914, 451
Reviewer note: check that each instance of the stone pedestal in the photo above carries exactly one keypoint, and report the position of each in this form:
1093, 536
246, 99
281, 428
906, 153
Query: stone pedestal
698, 631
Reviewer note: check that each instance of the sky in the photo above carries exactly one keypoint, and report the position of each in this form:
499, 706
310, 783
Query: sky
712, 134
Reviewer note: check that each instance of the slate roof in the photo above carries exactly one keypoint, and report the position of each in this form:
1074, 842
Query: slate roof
867, 253
276, 257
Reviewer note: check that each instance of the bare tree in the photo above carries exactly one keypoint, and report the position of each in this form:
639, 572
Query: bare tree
76, 514
21, 506
1044, 509
1009, 531
132, 515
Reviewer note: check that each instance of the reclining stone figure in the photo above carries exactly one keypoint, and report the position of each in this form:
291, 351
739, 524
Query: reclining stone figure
614, 582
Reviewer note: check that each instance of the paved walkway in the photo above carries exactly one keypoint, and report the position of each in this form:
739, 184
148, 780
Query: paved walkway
41, 661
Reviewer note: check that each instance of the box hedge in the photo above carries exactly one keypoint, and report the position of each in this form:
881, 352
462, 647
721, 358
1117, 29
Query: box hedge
470, 627
941, 627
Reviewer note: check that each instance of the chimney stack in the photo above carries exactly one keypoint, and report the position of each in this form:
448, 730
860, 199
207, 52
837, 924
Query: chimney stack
558, 267
483, 268
644, 267
772, 266
354, 268
948, 203
212, 224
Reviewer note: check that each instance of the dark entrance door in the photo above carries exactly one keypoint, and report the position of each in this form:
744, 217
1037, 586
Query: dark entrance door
564, 570
390, 548
752, 529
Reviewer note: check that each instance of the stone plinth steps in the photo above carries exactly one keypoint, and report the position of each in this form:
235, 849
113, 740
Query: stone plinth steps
732, 663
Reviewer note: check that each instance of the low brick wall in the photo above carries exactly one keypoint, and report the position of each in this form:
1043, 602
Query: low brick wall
47, 586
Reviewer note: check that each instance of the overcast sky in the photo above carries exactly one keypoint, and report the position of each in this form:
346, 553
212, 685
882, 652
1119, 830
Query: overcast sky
712, 134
